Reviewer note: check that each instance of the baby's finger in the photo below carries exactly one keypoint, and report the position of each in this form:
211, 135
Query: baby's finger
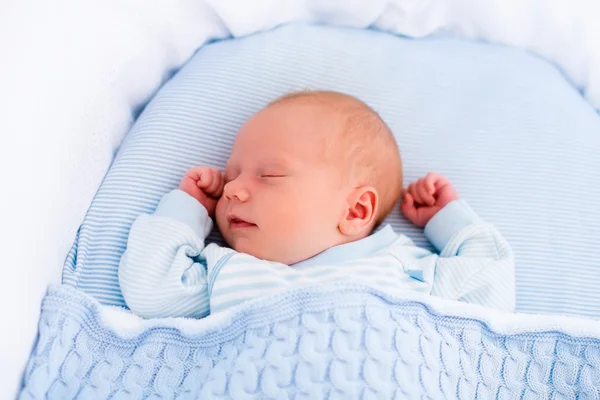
220, 183
213, 189
441, 182
424, 194
430, 181
420, 193
204, 179
193, 173
412, 189
209, 180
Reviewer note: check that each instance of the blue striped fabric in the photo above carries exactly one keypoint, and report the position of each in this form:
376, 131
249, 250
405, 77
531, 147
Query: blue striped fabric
517, 141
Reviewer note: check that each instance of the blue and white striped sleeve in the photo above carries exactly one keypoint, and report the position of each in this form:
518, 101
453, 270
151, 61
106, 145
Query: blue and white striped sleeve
160, 273
476, 264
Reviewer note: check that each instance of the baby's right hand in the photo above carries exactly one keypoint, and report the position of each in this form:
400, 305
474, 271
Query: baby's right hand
205, 184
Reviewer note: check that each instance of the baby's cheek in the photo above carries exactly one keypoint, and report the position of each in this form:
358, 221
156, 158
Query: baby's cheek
220, 212
282, 222
221, 220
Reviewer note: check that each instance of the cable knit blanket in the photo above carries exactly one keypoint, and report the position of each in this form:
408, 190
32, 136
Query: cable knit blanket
339, 341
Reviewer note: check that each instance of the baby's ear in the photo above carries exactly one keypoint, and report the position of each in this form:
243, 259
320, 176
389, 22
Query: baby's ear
359, 216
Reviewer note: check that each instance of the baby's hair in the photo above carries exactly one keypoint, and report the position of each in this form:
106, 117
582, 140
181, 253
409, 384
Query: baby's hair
370, 153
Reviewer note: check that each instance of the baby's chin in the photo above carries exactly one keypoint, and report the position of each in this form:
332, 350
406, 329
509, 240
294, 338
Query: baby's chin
247, 246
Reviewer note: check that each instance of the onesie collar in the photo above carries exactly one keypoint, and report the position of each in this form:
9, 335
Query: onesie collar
351, 251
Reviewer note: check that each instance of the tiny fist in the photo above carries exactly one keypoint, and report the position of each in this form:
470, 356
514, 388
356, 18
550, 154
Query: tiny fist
425, 197
204, 184
200, 183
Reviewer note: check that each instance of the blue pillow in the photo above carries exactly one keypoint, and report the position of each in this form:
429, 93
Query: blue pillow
518, 142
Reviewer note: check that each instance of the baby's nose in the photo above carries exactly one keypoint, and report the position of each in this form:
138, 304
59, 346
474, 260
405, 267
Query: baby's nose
234, 190
242, 195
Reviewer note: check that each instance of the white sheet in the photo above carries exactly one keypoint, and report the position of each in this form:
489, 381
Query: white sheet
73, 74
72, 77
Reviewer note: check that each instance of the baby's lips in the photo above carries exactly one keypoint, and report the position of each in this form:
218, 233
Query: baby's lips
234, 217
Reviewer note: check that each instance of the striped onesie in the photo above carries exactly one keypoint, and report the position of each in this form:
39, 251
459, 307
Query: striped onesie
167, 271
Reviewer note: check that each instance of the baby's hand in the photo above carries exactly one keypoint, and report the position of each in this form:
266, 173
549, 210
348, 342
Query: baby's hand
205, 184
425, 197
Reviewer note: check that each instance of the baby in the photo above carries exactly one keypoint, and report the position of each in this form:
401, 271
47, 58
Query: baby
308, 181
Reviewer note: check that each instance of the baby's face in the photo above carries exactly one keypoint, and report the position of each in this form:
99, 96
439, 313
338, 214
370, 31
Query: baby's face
282, 201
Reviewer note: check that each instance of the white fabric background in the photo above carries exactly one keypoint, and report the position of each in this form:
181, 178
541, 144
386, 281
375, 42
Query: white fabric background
73, 74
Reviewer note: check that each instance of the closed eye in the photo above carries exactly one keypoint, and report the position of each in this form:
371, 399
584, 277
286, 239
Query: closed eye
272, 176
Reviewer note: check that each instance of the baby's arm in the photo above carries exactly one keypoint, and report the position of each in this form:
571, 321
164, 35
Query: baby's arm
476, 263
160, 273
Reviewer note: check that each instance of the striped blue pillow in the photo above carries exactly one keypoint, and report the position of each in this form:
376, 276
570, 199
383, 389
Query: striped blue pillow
517, 141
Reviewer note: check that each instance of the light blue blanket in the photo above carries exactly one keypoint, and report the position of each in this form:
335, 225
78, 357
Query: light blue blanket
339, 341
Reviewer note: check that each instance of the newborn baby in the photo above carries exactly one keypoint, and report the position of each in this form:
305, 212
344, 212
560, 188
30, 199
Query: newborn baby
308, 181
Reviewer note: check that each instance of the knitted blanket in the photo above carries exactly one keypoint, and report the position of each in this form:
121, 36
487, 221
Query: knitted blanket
339, 341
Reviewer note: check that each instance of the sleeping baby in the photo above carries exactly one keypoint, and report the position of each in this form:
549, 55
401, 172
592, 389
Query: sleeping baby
309, 181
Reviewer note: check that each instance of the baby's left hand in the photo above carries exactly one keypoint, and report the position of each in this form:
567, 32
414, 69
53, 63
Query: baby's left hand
425, 197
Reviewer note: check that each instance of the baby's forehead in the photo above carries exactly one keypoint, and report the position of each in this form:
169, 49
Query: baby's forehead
343, 113
292, 121
314, 117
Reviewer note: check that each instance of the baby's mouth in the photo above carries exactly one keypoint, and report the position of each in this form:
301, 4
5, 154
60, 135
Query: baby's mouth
238, 223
